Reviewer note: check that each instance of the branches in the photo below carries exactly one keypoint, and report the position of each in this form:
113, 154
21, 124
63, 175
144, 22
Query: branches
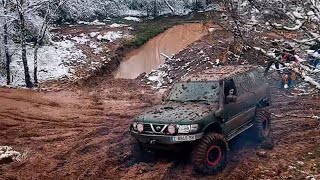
169, 6
22, 11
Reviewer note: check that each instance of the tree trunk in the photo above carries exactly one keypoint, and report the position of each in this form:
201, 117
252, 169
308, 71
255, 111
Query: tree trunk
155, 8
6, 50
5, 42
35, 72
24, 51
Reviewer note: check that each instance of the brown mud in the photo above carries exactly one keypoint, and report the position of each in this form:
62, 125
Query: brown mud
84, 135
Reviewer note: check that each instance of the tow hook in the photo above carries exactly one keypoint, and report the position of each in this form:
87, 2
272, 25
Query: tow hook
153, 142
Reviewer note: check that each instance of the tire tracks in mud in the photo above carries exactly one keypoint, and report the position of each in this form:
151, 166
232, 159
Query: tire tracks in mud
85, 138
88, 139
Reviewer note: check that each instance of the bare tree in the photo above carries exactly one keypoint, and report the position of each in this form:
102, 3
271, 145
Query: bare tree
155, 8
41, 34
5, 40
23, 35
21, 11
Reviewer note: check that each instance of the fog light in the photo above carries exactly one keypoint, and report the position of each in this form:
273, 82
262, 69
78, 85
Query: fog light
134, 125
140, 127
194, 128
171, 129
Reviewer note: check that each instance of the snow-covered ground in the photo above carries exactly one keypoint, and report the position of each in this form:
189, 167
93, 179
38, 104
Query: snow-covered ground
7, 152
130, 18
88, 9
110, 36
52, 62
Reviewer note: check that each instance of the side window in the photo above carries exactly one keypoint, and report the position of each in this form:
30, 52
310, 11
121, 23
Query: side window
260, 77
256, 78
253, 78
243, 83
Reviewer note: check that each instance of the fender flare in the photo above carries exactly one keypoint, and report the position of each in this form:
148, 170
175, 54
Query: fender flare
218, 128
265, 102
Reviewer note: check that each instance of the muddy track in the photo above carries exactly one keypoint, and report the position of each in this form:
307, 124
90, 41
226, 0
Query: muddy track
71, 136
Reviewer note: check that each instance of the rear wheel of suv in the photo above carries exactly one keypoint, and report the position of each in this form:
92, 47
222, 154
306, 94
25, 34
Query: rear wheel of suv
262, 125
210, 155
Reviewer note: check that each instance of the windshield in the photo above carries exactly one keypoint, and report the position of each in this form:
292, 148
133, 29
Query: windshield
195, 91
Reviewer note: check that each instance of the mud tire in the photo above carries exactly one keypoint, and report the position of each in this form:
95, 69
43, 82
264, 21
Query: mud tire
262, 125
209, 157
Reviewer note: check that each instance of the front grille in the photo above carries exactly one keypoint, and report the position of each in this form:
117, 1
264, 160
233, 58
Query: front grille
154, 128
147, 128
158, 128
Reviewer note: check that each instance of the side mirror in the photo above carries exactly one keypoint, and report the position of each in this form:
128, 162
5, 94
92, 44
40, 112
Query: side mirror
164, 94
231, 99
219, 113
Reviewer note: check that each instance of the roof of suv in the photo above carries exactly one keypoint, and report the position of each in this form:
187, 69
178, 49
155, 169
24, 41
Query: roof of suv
217, 73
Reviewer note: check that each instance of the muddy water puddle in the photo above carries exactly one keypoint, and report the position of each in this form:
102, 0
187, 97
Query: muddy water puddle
148, 58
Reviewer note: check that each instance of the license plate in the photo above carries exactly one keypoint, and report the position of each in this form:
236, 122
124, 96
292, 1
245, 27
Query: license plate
183, 138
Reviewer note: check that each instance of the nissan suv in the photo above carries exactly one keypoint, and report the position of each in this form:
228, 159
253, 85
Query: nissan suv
206, 110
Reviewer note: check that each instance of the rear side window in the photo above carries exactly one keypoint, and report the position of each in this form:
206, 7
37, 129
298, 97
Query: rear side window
248, 81
256, 78
244, 83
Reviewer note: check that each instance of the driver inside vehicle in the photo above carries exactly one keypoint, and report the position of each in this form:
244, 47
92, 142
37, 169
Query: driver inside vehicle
231, 97
230, 92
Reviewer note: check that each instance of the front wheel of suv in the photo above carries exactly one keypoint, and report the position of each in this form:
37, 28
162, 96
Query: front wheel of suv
210, 155
262, 125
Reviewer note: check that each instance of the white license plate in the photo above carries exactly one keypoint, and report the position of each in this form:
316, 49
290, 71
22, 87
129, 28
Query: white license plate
183, 138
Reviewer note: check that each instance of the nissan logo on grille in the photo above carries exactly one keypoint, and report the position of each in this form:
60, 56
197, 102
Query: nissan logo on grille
158, 128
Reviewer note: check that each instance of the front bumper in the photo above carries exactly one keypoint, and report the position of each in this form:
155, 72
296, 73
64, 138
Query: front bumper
154, 139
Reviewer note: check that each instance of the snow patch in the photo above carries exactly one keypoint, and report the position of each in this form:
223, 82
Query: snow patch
130, 18
115, 25
7, 152
157, 77
83, 39
96, 48
110, 36
94, 34
93, 23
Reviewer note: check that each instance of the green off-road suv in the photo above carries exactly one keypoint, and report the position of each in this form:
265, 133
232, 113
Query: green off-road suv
206, 110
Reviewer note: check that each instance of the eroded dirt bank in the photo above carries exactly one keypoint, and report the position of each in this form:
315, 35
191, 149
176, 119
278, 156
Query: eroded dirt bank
72, 136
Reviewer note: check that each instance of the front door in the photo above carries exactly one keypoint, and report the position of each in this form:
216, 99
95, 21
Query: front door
236, 113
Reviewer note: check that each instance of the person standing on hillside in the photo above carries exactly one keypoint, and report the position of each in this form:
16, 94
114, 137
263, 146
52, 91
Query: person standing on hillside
276, 61
314, 55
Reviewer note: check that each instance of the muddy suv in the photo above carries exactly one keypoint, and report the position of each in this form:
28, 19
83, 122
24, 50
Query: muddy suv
207, 110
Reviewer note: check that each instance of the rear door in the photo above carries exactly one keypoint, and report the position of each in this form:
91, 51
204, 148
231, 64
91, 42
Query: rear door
247, 87
261, 88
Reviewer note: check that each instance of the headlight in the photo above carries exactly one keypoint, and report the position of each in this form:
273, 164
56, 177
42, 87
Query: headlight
171, 129
184, 129
140, 127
